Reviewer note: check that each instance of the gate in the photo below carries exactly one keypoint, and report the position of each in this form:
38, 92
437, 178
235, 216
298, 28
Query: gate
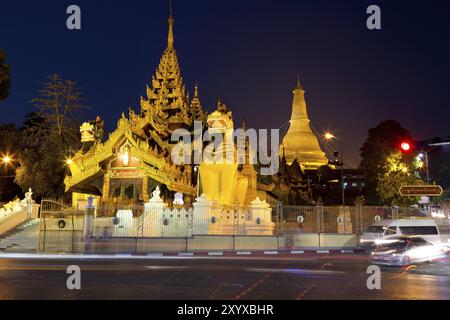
60, 228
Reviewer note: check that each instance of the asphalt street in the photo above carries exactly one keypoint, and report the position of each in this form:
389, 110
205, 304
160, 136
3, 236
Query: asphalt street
220, 278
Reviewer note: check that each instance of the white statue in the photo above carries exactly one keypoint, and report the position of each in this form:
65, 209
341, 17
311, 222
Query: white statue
157, 193
28, 197
178, 201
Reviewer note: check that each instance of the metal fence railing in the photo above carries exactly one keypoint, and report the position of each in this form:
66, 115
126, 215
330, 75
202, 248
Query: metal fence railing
60, 223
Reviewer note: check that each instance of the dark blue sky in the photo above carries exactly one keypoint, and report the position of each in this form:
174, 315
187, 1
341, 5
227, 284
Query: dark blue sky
247, 52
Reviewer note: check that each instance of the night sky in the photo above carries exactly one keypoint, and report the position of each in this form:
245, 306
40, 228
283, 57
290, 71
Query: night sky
249, 53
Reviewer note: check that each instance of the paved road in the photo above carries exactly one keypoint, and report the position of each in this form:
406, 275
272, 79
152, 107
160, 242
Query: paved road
265, 278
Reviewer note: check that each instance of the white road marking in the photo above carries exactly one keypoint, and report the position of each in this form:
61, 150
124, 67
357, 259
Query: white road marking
215, 253
186, 254
299, 271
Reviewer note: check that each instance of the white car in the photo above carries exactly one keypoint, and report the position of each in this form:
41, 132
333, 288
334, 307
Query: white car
403, 251
378, 233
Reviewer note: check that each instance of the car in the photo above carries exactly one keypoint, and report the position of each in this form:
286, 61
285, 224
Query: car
404, 251
384, 230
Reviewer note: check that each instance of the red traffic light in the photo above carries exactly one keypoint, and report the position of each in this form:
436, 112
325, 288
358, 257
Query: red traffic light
406, 146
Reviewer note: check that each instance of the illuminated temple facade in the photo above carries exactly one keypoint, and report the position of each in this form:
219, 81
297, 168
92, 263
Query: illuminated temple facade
137, 155
300, 142
133, 160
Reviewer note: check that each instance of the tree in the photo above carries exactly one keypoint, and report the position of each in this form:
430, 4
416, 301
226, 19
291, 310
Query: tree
49, 137
401, 171
382, 142
4, 77
9, 139
60, 100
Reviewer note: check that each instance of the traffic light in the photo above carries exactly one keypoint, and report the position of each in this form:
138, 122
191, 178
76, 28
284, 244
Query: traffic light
405, 147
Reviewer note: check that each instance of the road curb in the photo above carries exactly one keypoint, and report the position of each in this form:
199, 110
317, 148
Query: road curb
266, 253
207, 254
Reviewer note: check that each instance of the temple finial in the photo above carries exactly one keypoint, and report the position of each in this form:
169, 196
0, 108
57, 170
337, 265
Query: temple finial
221, 107
196, 89
299, 86
170, 39
244, 124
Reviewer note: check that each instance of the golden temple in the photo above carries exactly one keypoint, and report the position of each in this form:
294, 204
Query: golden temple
300, 143
136, 157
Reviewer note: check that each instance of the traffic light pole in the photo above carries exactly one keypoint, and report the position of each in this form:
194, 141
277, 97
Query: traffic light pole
428, 167
342, 173
427, 163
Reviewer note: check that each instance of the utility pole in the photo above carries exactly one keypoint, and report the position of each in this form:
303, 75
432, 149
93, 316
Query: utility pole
342, 173
329, 136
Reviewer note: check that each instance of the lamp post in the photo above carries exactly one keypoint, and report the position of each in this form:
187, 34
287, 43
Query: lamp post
329, 136
6, 160
425, 153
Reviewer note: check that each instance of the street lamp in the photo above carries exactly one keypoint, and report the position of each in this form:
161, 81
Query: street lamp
433, 146
7, 160
329, 136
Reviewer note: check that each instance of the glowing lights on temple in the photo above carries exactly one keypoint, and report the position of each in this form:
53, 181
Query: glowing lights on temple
69, 162
125, 156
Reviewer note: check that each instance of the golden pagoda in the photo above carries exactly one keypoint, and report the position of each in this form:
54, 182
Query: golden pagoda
136, 156
300, 143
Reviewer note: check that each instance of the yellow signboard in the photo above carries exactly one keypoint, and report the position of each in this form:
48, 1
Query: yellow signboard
421, 191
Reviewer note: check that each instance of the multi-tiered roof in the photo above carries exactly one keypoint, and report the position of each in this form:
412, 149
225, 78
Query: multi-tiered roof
166, 107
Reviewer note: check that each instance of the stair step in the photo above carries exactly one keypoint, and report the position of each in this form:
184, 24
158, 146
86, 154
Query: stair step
21, 238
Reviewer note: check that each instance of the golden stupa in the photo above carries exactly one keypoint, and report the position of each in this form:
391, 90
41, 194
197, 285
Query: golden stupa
300, 142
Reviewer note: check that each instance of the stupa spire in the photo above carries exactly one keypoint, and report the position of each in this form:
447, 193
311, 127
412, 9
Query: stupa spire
299, 86
170, 37
300, 143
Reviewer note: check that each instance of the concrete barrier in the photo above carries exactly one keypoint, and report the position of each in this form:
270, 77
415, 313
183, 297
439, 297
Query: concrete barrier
307, 240
214, 243
210, 243
255, 243
12, 220
159, 245
339, 240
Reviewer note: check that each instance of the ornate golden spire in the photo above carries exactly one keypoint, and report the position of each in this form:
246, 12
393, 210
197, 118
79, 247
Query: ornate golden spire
196, 106
170, 38
166, 107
